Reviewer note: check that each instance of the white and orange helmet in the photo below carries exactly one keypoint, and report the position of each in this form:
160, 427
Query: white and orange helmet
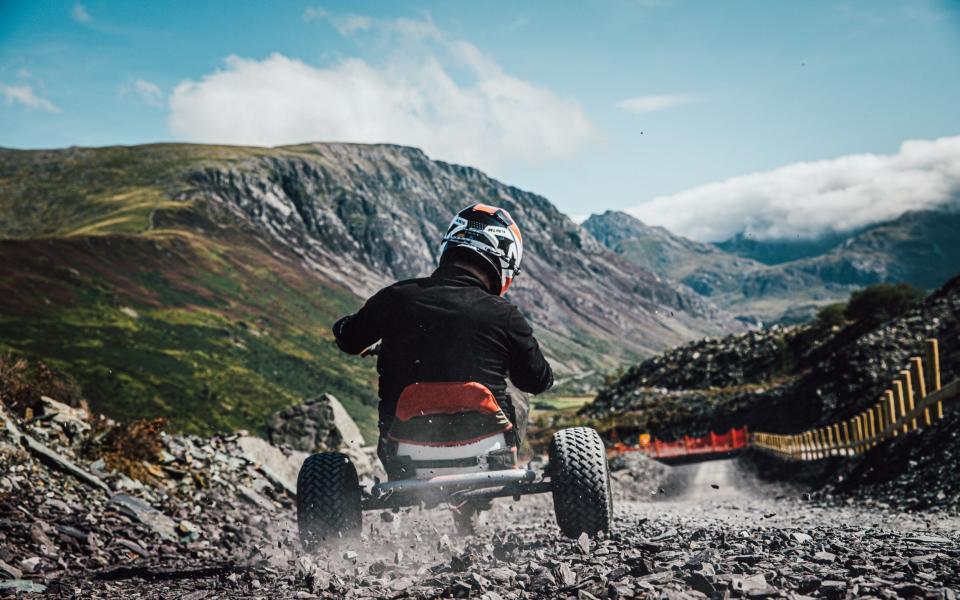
490, 232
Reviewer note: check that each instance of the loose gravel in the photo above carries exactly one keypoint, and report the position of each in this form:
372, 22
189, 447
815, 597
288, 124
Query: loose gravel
685, 532
219, 524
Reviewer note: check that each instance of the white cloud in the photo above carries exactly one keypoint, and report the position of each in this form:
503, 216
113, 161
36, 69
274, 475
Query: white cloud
23, 94
652, 103
147, 91
352, 23
313, 13
811, 198
444, 96
80, 14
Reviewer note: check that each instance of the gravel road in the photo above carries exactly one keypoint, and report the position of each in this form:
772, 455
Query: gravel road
695, 531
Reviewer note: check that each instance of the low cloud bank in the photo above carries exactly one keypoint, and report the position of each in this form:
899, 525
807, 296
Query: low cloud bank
808, 199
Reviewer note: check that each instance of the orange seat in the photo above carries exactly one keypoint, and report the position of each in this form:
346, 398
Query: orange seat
445, 398
447, 414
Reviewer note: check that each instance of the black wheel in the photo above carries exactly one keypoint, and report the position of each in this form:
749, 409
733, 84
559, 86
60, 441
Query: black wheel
328, 499
580, 480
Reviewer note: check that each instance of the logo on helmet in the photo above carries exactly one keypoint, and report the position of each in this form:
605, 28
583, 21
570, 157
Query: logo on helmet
490, 232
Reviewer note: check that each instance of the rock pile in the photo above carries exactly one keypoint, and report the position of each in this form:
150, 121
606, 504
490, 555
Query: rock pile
852, 371
734, 360
913, 472
781, 379
316, 425
705, 385
909, 472
76, 502
218, 522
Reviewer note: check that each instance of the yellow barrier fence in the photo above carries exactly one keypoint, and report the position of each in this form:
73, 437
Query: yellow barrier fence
913, 400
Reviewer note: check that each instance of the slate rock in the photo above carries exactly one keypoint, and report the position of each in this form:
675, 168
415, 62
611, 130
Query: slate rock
58, 461
146, 514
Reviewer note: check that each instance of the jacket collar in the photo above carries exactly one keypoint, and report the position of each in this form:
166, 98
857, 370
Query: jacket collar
453, 274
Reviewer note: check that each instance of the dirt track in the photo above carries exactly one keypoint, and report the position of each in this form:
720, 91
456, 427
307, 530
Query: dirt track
699, 530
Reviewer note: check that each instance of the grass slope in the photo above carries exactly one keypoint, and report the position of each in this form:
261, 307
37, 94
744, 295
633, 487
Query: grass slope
156, 312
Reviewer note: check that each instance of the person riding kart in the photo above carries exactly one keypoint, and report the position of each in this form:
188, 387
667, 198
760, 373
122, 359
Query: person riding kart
451, 340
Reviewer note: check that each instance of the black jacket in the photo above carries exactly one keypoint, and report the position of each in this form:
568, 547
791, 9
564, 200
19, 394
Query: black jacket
446, 327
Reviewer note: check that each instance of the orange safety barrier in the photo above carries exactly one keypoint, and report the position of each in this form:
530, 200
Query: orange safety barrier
711, 443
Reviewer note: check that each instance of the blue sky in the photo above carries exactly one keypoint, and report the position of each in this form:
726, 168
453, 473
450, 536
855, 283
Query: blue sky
595, 105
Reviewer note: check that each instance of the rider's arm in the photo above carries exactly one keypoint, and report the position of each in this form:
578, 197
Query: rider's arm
529, 370
354, 333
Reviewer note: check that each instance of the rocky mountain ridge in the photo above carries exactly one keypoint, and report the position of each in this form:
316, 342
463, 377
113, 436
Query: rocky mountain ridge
368, 215
918, 247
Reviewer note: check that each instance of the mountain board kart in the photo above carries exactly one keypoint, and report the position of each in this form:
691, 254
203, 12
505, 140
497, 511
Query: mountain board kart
451, 443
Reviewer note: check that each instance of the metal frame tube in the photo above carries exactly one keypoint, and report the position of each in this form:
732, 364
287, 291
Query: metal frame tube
453, 488
452, 483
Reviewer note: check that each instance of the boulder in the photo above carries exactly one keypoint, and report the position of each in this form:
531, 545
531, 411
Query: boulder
349, 432
279, 467
74, 422
318, 424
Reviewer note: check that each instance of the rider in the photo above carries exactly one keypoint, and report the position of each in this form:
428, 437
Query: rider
455, 325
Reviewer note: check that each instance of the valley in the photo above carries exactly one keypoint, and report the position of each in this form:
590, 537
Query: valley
775, 281
198, 283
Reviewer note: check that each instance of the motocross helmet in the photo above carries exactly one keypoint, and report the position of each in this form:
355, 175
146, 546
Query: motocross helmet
490, 233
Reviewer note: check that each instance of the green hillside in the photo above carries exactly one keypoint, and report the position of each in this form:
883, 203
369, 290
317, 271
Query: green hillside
117, 189
154, 308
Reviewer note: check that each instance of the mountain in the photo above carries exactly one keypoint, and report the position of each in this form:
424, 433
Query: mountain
199, 282
920, 248
749, 289
659, 251
779, 251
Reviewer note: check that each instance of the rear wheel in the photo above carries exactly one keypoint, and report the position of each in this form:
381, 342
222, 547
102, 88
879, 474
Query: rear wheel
580, 480
328, 499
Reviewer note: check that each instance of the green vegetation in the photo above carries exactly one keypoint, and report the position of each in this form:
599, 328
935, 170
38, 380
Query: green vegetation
200, 377
830, 316
114, 190
882, 302
551, 403
202, 326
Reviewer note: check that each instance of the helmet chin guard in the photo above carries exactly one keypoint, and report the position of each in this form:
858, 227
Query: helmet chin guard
492, 233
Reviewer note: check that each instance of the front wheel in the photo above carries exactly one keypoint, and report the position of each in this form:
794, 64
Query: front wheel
328, 499
580, 480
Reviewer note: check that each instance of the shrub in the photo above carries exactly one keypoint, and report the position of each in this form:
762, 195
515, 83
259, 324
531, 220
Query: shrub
131, 448
21, 385
831, 316
882, 302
